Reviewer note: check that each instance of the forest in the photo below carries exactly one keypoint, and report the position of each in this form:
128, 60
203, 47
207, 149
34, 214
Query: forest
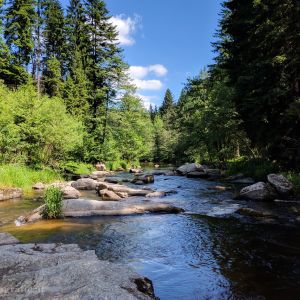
66, 96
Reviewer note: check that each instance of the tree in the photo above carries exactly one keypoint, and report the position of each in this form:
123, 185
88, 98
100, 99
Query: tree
52, 77
20, 18
168, 103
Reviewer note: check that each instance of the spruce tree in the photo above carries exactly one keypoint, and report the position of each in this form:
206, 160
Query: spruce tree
168, 103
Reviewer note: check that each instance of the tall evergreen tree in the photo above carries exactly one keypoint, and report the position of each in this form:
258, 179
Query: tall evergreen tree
168, 103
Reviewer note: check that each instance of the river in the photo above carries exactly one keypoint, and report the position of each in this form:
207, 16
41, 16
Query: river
209, 252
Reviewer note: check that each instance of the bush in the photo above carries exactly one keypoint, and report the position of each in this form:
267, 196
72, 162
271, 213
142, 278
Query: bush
294, 178
77, 168
53, 203
257, 168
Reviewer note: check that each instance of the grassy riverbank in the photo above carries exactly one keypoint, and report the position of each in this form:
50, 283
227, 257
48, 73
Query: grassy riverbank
24, 177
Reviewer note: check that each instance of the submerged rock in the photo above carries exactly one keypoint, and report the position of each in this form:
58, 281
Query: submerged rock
259, 191
7, 239
281, 184
55, 271
10, 193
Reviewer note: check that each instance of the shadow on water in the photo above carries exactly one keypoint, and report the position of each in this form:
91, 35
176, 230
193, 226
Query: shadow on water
187, 256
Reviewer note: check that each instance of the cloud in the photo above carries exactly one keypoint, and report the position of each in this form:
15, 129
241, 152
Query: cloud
147, 100
139, 72
153, 84
126, 27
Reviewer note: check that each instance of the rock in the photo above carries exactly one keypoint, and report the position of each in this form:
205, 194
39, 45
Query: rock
135, 171
10, 193
258, 191
213, 172
220, 188
170, 173
146, 179
113, 179
188, 168
246, 180
85, 184
156, 195
86, 208
254, 213
39, 186
158, 173
120, 169
109, 195
281, 184
197, 174
100, 167
7, 239
99, 174
122, 195
70, 193
235, 177
56, 271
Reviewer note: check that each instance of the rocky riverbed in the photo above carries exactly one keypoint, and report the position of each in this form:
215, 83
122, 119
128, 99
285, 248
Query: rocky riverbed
220, 247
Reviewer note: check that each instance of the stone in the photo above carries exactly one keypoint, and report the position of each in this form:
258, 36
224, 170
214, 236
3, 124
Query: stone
259, 191
197, 174
10, 193
156, 195
213, 172
70, 193
109, 195
100, 167
146, 179
85, 184
281, 184
7, 239
220, 188
246, 180
87, 208
188, 168
57, 271
122, 195
135, 170
254, 213
39, 186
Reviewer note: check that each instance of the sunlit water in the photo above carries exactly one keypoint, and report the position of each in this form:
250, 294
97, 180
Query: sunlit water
206, 253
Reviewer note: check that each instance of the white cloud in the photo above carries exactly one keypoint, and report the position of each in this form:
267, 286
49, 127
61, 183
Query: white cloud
147, 100
126, 27
139, 72
152, 85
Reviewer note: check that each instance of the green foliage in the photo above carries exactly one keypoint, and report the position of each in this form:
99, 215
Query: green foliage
294, 178
35, 130
76, 167
53, 203
52, 77
25, 177
257, 168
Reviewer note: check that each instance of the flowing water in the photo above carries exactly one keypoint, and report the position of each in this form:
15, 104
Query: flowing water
209, 252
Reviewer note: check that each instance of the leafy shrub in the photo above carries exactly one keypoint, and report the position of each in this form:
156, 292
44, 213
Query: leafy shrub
53, 203
77, 167
257, 168
294, 178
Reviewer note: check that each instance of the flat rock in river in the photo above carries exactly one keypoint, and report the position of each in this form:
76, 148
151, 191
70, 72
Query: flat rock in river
55, 271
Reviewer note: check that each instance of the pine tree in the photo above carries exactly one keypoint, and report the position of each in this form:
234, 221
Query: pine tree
18, 31
52, 77
168, 103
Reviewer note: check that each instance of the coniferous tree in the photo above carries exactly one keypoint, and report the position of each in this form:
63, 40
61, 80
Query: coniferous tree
168, 103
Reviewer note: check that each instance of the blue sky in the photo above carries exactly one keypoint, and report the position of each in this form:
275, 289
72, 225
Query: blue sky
165, 41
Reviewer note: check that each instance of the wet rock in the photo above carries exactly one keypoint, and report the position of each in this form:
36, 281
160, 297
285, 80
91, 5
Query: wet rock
85, 184
39, 186
70, 193
158, 173
10, 193
122, 195
7, 239
246, 180
109, 195
113, 179
136, 170
259, 191
220, 188
146, 179
281, 184
99, 174
54, 271
213, 172
254, 213
188, 168
156, 195
197, 174
86, 208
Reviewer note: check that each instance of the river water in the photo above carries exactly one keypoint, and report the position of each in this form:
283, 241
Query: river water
209, 252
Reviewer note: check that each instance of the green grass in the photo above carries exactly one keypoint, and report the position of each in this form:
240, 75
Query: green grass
294, 178
24, 177
114, 165
53, 203
256, 168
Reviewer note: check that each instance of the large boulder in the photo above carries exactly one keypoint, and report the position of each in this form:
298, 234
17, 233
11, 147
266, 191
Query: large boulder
10, 193
146, 179
259, 191
70, 193
39, 186
85, 184
99, 174
188, 168
56, 271
109, 195
281, 184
